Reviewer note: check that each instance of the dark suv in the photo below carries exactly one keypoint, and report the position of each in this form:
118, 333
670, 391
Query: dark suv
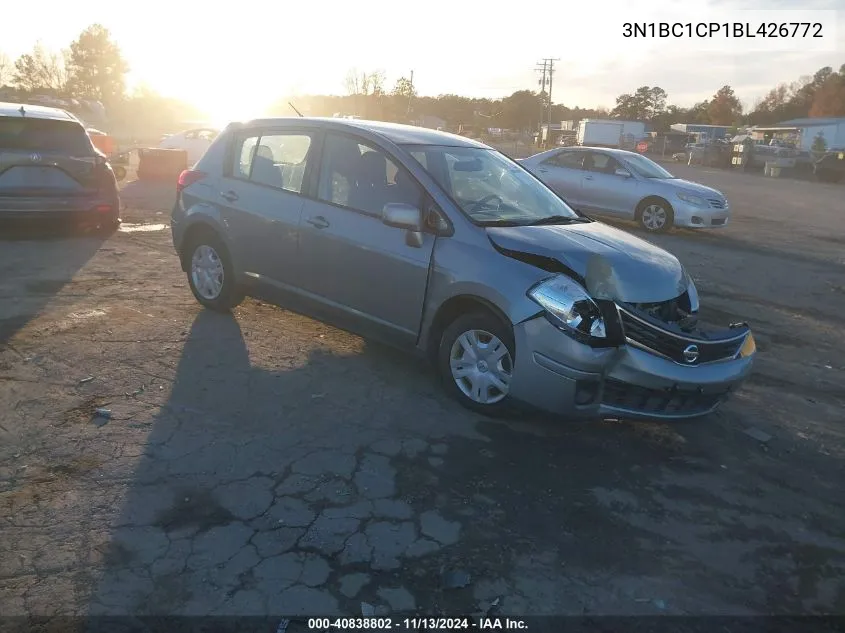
50, 170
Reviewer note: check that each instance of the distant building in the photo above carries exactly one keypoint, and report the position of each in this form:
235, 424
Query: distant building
702, 132
803, 132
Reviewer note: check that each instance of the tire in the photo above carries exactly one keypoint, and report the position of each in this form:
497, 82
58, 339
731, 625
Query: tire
210, 272
649, 213
108, 227
478, 385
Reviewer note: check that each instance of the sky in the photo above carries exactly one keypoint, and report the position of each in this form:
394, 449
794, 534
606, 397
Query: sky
234, 59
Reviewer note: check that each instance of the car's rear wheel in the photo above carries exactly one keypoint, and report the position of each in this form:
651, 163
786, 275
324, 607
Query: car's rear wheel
655, 215
476, 362
210, 273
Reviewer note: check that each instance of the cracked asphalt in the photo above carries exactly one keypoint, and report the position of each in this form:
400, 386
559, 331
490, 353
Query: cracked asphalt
264, 463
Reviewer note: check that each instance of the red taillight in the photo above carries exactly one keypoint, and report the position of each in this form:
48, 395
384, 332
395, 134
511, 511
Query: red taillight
189, 177
103, 208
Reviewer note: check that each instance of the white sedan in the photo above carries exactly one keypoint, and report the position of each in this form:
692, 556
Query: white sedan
195, 142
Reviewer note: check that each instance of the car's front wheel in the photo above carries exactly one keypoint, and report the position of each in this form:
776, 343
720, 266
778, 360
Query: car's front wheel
476, 362
655, 215
210, 273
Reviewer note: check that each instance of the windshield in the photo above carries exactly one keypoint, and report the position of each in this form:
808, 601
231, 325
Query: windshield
43, 135
490, 188
646, 167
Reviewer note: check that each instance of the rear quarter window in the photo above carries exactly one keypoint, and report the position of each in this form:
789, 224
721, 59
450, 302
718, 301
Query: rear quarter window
44, 135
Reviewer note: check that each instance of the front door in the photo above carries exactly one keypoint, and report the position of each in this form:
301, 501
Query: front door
349, 259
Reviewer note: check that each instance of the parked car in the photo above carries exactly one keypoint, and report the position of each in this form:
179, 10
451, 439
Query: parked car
50, 170
628, 185
444, 246
194, 142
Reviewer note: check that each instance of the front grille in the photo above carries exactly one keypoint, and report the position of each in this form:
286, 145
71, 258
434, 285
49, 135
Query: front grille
672, 345
623, 395
716, 203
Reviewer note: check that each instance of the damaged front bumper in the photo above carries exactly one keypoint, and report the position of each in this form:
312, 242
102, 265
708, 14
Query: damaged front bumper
657, 374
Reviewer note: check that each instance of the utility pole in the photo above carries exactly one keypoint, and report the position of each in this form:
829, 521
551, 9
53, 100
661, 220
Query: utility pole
542, 82
410, 94
551, 75
548, 69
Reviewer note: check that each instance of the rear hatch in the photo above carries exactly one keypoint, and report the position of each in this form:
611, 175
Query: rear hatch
45, 158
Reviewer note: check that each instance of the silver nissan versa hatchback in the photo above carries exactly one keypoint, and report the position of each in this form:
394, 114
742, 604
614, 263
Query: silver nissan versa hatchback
444, 246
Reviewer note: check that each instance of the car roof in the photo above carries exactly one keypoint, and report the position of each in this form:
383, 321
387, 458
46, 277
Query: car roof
608, 150
35, 112
394, 132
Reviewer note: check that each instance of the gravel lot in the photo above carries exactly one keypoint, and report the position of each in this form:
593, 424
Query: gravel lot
266, 463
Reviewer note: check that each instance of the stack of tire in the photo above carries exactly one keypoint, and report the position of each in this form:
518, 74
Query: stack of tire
163, 165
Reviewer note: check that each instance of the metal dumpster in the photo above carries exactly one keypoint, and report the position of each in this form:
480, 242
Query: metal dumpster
161, 164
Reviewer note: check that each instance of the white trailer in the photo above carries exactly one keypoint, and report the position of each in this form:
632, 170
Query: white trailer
600, 133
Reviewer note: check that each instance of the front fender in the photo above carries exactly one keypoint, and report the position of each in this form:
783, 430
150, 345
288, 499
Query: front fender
478, 272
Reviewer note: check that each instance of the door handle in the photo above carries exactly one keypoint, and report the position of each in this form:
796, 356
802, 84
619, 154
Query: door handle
319, 222
588, 177
543, 171
229, 196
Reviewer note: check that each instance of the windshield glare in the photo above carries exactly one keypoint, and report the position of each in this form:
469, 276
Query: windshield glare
646, 167
489, 187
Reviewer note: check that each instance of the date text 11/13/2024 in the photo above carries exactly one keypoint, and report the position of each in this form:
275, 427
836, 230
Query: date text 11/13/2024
416, 624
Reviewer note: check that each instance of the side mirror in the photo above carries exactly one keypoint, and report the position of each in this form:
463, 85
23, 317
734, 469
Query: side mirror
402, 216
623, 172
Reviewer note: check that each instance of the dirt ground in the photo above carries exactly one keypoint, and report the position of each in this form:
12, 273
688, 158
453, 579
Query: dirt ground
264, 463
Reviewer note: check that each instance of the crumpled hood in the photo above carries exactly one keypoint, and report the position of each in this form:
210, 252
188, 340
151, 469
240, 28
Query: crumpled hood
613, 264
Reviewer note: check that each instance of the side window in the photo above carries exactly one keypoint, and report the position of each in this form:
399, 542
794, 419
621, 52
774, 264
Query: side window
364, 178
570, 160
280, 161
601, 163
243, 157
276, 160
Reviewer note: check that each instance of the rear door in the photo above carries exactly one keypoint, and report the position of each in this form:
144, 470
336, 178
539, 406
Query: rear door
261, 200
604, 191
47, 159
562, 172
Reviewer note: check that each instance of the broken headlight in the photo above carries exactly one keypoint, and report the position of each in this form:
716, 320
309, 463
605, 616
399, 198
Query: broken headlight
569, 307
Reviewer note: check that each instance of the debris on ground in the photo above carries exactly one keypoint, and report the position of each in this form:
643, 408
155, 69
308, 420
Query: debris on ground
86, 379
660, 604
757, 434
101, 417
283, 626
137, 392
367, 610
456, 579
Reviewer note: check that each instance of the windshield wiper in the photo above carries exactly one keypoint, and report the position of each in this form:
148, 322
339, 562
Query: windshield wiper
556, 219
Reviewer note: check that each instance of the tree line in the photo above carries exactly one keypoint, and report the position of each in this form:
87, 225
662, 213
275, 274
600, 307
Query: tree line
93, 67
